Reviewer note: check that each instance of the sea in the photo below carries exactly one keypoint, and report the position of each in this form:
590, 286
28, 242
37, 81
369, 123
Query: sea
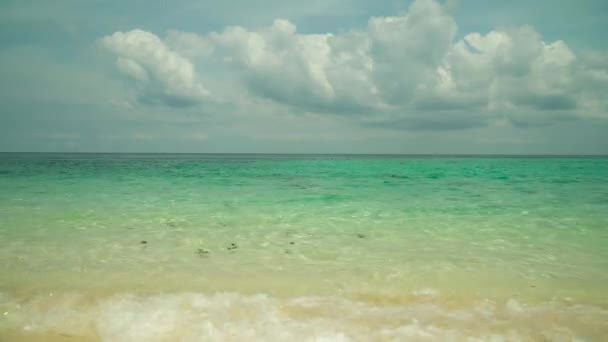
268, 247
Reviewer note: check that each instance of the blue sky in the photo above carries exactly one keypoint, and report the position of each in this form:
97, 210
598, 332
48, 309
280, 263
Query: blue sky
316, 76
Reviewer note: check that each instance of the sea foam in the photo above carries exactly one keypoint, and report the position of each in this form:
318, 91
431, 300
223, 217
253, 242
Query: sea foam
236, 317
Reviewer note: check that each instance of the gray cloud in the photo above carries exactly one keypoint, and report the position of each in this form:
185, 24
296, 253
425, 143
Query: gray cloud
431, 124
549, 102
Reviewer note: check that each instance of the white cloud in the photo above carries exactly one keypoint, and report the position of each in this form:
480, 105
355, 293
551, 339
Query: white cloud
407, 49
375, 69
510, 71
131, 68
278, 63
190, 45
172, 78
400, 71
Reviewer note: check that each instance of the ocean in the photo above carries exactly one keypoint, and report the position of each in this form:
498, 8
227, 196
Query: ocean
212, 247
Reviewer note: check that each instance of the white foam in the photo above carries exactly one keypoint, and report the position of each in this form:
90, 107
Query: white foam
428, 292
235, 317
514, 307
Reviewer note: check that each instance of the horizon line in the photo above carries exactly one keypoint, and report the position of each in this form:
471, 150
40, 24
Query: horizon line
321, 153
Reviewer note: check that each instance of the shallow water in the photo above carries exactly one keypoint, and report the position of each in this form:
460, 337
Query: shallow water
279, 247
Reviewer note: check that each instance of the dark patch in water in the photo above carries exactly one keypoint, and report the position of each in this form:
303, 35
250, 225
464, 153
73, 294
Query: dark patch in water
564, 181
459, 183
331, 197
602, 199
528, 191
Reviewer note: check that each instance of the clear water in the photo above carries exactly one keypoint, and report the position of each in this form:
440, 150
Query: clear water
280, 247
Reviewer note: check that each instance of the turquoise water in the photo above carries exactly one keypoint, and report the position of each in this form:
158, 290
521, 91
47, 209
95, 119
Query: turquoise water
304, 247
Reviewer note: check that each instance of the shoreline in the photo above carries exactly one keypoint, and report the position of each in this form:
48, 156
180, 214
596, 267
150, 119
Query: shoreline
426, 315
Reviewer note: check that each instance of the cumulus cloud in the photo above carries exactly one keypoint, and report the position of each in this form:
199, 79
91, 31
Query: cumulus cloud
163, 74
405, 71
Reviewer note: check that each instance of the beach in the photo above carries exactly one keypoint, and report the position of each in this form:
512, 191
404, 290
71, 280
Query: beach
225, 247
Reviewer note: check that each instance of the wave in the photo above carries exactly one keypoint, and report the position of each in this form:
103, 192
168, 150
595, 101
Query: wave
237, 317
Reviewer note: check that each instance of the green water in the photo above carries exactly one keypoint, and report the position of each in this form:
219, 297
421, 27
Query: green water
518, 247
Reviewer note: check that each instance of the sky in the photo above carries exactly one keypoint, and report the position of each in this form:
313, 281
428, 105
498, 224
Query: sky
315, 76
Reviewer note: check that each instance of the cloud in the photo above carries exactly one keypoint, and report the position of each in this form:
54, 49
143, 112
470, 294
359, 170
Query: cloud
361, 71
197, 136
162, 74
407, 71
